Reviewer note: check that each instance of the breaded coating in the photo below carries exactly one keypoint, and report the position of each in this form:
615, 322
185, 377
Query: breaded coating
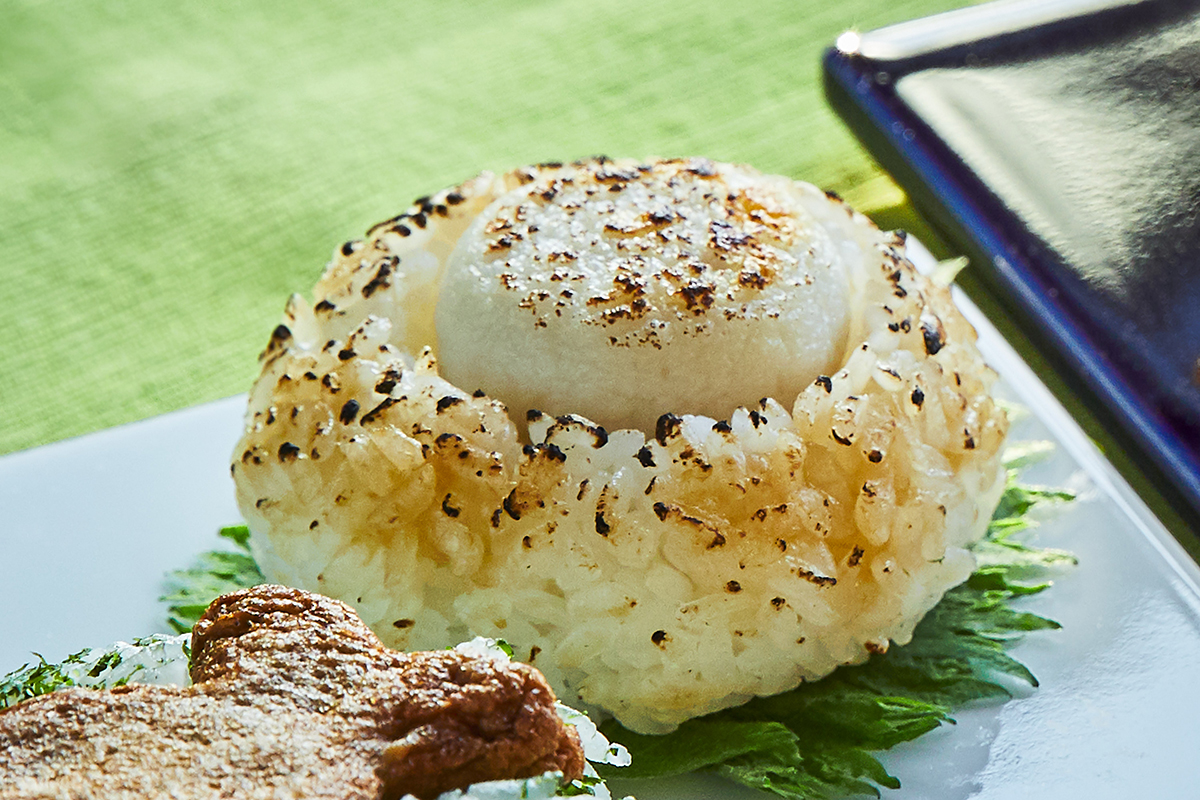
293, 696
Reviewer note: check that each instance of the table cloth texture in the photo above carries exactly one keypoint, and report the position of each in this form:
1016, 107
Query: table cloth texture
171, 172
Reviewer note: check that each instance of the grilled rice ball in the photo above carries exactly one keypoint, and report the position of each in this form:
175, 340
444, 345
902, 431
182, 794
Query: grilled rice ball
681, 432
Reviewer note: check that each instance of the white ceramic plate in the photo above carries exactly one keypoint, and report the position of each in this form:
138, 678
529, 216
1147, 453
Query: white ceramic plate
91, 525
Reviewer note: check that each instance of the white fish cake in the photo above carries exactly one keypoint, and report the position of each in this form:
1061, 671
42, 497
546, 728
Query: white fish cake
667, 514
620, 290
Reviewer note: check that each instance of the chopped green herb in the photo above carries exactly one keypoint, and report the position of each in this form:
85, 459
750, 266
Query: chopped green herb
32, 680
190, 591
817, 741
585, 785
152, 659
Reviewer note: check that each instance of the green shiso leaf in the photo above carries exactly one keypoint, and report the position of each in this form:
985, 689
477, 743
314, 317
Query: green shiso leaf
700, 743
818, 741
190, 591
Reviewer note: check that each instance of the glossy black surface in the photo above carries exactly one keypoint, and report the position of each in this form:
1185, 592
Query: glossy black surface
1065, 157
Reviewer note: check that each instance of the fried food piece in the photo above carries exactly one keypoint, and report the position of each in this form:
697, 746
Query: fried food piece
292, 696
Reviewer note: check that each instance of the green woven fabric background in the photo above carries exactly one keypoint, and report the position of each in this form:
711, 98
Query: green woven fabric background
169, 173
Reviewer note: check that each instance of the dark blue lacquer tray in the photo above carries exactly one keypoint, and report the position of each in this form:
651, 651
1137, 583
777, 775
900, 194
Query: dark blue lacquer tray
1058, 144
